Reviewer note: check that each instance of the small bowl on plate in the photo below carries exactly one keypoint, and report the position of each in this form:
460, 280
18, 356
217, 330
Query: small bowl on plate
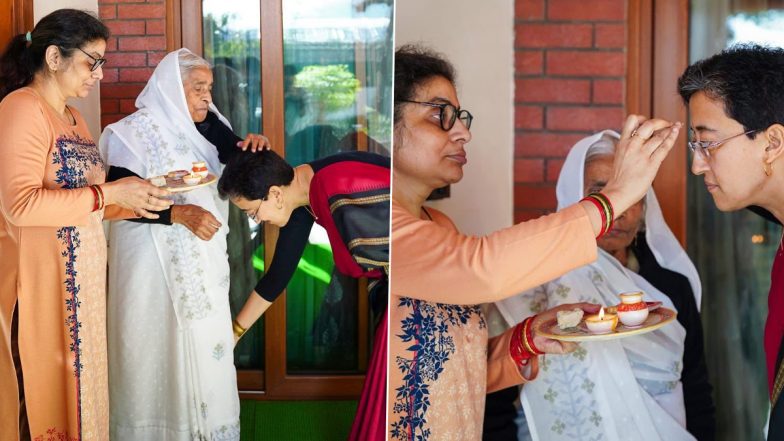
191, 179
632, 311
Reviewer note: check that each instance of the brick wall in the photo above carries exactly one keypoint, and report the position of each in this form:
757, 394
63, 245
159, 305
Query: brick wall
137, 44
569, 75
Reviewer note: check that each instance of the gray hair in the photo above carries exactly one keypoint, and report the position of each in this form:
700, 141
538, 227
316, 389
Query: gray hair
188, 62
605, 146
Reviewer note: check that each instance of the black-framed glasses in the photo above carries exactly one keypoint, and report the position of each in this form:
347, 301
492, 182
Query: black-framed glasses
705, 147
97, 62
449, 114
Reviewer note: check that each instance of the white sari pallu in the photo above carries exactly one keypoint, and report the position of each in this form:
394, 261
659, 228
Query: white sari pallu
618, 390
171, 368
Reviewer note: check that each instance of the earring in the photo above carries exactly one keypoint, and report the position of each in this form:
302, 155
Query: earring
767, 168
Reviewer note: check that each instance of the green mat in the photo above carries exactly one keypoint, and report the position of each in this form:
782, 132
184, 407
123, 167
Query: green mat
296, 420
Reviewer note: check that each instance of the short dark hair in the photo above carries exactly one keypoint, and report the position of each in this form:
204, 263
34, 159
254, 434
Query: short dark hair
415, 65
250, 175
747, 78
67, 29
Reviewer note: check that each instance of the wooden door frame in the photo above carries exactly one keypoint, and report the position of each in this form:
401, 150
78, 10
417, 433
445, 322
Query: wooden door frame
274, 382
22, 19
658, 52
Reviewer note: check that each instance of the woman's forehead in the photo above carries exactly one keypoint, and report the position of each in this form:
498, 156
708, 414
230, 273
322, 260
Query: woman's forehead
437, 89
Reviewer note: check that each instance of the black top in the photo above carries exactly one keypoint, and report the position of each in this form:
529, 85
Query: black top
212, 129
697, 391
293, 237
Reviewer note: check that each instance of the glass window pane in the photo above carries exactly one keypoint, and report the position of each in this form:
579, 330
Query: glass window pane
337, 58
231, 33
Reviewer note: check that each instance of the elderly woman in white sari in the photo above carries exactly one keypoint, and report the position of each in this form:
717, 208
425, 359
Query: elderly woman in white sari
171, 368
629, 388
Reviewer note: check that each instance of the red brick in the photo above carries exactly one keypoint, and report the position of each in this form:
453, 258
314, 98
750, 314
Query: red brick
524, 215
608, 91
109, 75
534, 35
548, 90
111, 44
107, 12
128, 59
541, 197
142, 43
110, 118
128, 106
121, 1
125, 27
155, 10
529, 117
529, 9
135, 74
586, 10
156, 27
109, 106
575, 63
553, 169
584, 118
121, 90
552, 145
529, 62
528, 170
153, 58
610, 35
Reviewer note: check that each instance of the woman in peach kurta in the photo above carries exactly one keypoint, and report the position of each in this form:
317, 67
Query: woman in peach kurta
52, 246
441, 362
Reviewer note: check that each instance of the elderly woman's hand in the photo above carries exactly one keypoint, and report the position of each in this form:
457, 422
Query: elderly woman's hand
643, 146
196, 219
548, 345
254, 142
136, 194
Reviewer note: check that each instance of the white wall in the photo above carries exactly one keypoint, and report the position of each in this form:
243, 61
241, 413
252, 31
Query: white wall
89, 107
478, 38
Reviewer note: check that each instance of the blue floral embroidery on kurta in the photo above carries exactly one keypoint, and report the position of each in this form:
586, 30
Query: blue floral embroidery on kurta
74, 155
427, 329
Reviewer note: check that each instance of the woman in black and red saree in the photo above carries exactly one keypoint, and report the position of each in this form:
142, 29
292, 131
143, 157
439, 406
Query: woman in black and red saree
348, 194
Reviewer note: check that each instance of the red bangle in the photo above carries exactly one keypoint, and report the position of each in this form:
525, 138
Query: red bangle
95, 198
602, 214
100, 194
529, 337
101, 198
516, 349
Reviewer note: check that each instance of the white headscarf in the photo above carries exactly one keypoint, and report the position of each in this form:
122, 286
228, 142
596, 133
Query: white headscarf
664, 245
159, 137
613, 390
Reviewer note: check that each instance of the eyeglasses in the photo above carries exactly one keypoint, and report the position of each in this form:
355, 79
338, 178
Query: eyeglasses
449, 114
705, 147
97, 62
254, 215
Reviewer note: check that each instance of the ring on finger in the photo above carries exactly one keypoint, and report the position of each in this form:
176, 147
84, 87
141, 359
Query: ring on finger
634, 133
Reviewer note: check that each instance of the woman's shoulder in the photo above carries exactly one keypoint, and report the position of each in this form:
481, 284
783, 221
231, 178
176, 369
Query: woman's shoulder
22, 99
401, 217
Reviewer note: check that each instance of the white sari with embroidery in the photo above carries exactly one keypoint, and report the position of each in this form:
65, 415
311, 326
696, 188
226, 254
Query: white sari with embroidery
171, 369
618, 390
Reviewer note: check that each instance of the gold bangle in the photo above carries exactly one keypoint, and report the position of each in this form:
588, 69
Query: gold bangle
525, 340
239, 331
